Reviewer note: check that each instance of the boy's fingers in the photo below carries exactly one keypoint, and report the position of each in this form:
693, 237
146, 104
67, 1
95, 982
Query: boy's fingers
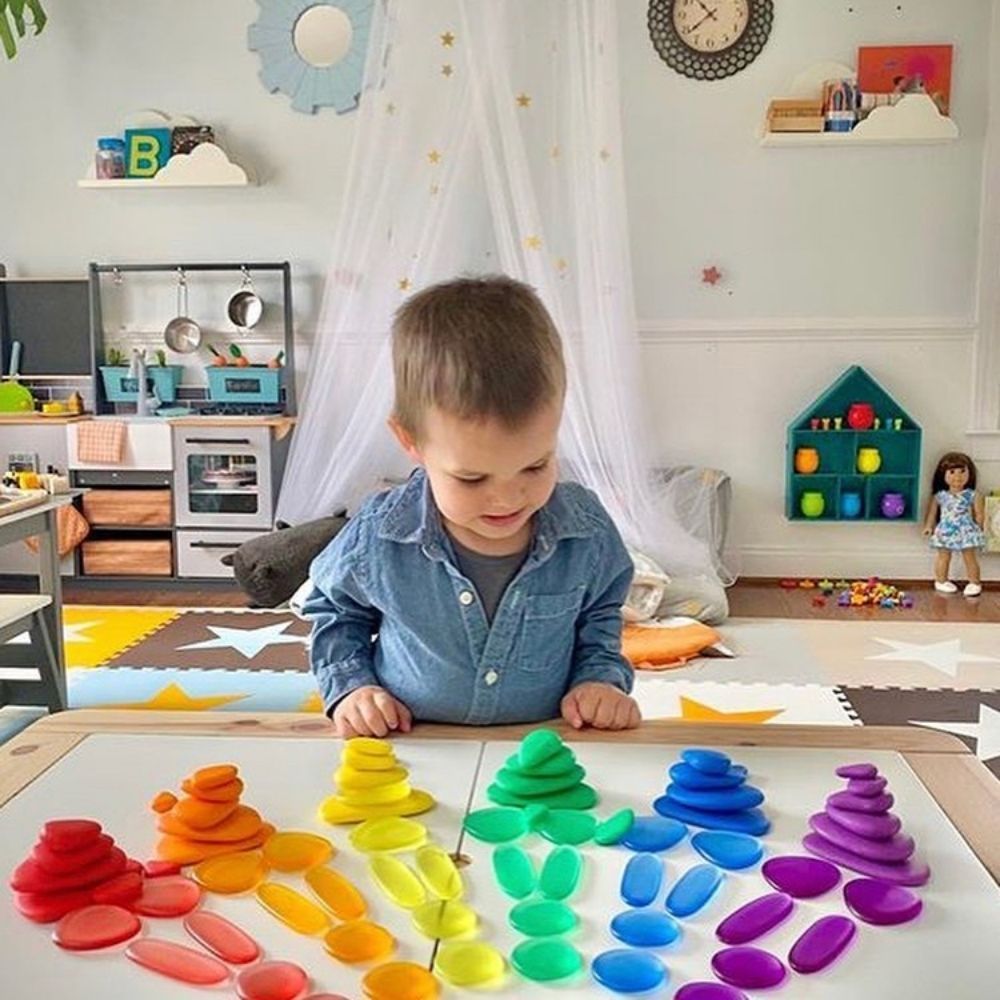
372, 717
405, 716
604, 712
634, 715
344, 729
571, 710
622, 711
386, 704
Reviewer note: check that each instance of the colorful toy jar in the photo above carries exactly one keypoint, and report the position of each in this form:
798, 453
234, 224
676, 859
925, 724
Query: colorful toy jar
893, 505
850, 505
860, 416
806, 461
812, 504
869, 461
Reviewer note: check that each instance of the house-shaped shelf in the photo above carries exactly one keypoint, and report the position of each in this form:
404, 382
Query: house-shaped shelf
848, 492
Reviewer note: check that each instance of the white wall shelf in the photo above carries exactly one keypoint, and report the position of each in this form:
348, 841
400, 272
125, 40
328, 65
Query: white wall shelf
206, 165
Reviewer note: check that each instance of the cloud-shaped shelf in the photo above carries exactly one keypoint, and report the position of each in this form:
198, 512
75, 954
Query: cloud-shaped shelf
207, 165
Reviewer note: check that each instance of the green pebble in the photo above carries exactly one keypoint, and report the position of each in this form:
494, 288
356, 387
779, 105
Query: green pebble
496, 826
567, 826
614, 827
557, 764
514, 871
542, 918
561, 873
532, 787
539, 745
580, 797
535, 815
545, 959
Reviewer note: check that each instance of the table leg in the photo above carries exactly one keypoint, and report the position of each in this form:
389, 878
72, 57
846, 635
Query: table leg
50, 582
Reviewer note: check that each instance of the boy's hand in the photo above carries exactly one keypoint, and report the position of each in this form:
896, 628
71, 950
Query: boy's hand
602, 706
370, 711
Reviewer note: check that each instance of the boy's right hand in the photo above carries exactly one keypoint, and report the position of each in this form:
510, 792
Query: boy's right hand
370, 711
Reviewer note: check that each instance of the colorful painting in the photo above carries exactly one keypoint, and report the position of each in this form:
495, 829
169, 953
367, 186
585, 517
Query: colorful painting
907, 69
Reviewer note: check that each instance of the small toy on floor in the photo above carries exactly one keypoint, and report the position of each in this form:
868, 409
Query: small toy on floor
874, 593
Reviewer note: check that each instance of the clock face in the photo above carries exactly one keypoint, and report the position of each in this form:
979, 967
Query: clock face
711, 25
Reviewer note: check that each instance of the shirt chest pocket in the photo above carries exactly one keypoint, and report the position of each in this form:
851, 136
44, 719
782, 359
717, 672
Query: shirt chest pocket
548, 630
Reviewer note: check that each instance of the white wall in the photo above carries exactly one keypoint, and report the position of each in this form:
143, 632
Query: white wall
831, 257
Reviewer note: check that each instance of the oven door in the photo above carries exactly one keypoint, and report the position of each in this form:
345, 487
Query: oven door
223, 477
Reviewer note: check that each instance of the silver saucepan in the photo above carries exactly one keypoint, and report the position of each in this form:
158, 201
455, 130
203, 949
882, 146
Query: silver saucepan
182, 334
245, 307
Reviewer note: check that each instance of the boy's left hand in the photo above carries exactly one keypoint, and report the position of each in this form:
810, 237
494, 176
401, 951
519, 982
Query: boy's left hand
602, 706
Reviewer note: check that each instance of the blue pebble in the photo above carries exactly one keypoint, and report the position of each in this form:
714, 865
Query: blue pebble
642, 879
626, 971
645, 928
693, 890
726, 849
690, 777
718, 799
709, 761
654, 833
751, 821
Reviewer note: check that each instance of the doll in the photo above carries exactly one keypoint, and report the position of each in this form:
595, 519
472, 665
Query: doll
954, 521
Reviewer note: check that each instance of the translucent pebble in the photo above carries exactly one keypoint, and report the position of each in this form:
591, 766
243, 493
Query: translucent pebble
748, 968
645, 928
560, 762
709, 761
95, 927
514, 871
348, 778
399, 981
799, 876
231, 873
542, 918
292, 908
626, 971
566, 826
176, 961
690, 777
536, 786
223, 939
693, 890
611, 830
561, 873
755, 919
727, 849
379, 796
538, 746
821, 943
371, 745
881, 903
708, 991
389, 833
271, 981
722, 800
469, 963
436, 867
397, 881
654, 833
359, 941
752, 821
857, 771
642, 879
336, 893
444, 918
289, 851
545, 959
170, 896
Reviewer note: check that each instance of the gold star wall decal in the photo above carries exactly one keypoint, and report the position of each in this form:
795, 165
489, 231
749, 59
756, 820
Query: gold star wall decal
390, 108
561, 264
605, 153
533, 242
555, 151
447, 69
434, 156
404, 284
524, 100
447, 39
435, 188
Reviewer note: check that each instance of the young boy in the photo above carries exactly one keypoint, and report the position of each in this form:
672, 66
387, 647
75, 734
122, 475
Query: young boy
480, 591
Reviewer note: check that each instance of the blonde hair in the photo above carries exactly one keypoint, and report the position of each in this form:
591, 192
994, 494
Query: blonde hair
477, 348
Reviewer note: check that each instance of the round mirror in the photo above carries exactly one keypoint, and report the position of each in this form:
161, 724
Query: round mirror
322, 35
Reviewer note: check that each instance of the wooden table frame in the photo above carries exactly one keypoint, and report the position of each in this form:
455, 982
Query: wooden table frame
964, 789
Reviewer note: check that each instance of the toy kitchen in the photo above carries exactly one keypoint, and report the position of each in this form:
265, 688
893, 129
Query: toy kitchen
176, 430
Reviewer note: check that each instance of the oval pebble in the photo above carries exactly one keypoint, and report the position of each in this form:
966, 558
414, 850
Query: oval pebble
336, 893
693, 890
611, 830
468, 963
223, 939
566, 826
627, 971
690, 777
653, 834
231, 873
876, 804
560, 873
397, 880
755, 919
857, 771
440, 918
496, 825
709, 761
292, 908
748, 968
727, 800
642, 879
538, 746
514, 871
645, 928
546, 959
542, 918
909, 872
892, 851
271, 981
177, 962
821, 943
292, 851
867, 788
358, 941
399, 981
727, 849
867, 825
170, 896
751, 821
708, 991
388, 833
799, 876
93, 927
437, 869
881, 903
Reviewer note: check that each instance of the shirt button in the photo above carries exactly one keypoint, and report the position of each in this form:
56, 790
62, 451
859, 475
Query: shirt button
466, 597
491, 678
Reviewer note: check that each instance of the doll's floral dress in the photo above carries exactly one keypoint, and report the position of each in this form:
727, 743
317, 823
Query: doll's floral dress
957, 528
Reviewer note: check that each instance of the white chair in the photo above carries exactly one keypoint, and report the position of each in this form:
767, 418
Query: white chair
20, 613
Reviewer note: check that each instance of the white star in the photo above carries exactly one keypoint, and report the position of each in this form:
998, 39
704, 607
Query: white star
248, 641
986, 732
74, 632
945, 656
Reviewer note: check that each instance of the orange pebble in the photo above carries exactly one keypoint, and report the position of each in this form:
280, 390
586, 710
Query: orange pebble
201, 815
212, 777
182, 851
243, 823
229, 792
163, 802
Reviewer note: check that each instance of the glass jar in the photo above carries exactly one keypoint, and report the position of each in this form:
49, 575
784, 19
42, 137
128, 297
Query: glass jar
109, 160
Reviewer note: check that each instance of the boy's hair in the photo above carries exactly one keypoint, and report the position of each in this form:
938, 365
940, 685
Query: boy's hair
477, 348
953, 460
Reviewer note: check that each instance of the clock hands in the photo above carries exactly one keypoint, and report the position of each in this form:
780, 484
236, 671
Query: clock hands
710, 16
709, 13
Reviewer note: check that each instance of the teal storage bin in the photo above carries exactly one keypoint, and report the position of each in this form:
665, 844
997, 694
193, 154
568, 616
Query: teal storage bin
121, 387
253, 384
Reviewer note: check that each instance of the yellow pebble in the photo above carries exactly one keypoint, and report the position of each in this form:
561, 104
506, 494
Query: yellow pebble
288, 851
389, 833
359, 941
338, 894
292, 908
442, 918
385, 795
436, 867
397, 881
468, 963
349, 778
399, 981
334, 810
362, 761
230, 873
371, 745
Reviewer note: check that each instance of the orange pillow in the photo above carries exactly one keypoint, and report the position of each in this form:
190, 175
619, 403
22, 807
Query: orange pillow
666, 644
71, 529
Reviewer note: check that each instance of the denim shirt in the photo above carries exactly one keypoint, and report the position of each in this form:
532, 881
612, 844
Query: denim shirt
390, 607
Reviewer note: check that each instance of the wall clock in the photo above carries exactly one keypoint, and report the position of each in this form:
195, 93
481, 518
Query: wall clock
709, 39
313, 51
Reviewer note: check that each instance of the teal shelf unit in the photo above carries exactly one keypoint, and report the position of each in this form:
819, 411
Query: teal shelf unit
838, 451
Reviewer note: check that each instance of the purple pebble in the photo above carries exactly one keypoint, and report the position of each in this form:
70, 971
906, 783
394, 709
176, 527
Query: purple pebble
878, 902
857, 771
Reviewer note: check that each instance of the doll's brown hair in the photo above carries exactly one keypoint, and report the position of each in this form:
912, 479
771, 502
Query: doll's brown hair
953, 460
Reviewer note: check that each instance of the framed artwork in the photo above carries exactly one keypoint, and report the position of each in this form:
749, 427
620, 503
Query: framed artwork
907, 69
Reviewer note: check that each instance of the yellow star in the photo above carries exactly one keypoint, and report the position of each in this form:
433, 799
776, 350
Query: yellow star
173, 698
524, 100
434, 156
447, 69
605, 153
314, 703
404, 284
390, 108
447, 39
561, 264
435, 188
533, 242
554, 152
696, 711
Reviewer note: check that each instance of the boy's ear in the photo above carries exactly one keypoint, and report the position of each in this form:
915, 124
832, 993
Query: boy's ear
405, 439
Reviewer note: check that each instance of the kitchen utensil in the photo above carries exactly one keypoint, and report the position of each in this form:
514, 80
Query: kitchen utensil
15, 359
182, 334
14, 397
245, 308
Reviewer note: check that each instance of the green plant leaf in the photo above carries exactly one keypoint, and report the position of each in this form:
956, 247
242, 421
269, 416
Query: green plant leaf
6, 38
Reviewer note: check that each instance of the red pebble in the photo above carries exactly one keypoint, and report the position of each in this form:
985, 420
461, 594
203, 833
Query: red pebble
70, 834
48, 907
120, 890
29, 876
177, 961
221, 937
67, 862
271, 981
131, 865
170, 896
157, 869
96, 927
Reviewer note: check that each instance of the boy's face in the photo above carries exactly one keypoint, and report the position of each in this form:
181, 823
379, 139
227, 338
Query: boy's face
488, 480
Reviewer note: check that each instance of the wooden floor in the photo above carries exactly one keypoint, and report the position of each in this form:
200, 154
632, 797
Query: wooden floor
751, 598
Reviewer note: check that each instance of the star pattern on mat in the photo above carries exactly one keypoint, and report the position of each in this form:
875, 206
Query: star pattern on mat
697, 711
946, 656
174, 698
74, 631
985, 731
248, 642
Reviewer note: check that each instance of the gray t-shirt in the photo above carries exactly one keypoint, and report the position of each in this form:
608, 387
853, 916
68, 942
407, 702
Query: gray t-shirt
489, 574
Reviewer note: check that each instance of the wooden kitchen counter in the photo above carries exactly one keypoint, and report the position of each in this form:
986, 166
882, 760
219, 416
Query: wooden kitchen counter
282, 424
37, 418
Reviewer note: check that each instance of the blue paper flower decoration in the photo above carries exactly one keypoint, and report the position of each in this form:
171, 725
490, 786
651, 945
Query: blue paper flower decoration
310, 87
